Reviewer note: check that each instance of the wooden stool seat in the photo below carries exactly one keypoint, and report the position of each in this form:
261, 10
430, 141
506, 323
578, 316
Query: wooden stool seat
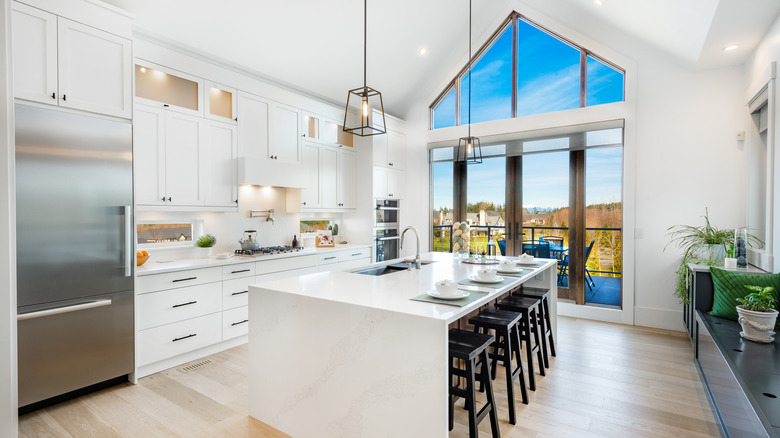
505, 325
468, 347
529, 330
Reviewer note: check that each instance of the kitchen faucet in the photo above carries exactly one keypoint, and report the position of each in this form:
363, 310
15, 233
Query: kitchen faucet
417, 235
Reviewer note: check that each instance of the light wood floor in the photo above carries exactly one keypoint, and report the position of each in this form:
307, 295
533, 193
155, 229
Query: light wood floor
607, 381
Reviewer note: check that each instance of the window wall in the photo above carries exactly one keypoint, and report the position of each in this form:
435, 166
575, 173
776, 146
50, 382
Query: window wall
524, 69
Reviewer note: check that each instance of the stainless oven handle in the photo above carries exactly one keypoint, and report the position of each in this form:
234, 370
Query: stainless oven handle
388, 208
60, 310
388, 238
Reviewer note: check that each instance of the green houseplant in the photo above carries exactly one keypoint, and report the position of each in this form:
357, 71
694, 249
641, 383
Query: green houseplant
205, 244
704, 244
758, 314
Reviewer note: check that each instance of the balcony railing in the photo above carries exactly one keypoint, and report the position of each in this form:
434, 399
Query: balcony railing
442, 241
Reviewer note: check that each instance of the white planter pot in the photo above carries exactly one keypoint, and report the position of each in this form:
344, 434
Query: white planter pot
205, 253
757, 326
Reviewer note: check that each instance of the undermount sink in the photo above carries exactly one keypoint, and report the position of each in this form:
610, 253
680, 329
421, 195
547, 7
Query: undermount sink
387, 269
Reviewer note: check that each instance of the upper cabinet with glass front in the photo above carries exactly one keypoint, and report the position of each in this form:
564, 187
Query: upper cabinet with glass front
325, 130
159, 86
221, 103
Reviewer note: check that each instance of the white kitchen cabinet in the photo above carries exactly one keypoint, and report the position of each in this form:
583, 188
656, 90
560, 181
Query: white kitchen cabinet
329, 178
35, 36
159, 86
183, 161
220, 179
61, 62
337, 179
346, 178
95, 69
285, 133
253, 140
388, 183
221, 104
389, 150
149, 155
310, 161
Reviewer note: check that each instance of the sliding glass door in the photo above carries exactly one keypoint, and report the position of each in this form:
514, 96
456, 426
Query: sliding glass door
556, 197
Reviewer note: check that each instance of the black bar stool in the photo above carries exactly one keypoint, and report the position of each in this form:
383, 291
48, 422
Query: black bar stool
529, 330
468, 346
507, 341
544, 318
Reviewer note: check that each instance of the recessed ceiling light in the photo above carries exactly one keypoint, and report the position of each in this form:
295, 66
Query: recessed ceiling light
143, 69
422, 51
731, 47
599, 2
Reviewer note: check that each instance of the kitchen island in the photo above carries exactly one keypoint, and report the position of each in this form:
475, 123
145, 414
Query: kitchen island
342, 354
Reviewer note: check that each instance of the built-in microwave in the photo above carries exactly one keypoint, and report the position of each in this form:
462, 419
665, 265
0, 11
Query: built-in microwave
386, 213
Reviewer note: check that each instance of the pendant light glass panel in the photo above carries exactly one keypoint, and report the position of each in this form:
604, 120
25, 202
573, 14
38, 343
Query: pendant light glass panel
469, 150
368, 103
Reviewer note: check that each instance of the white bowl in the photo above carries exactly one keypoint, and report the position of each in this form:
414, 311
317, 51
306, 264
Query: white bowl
486, 274
525, 258
507, 265
447, 288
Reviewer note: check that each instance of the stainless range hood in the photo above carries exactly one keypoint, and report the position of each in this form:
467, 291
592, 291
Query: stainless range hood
265, 172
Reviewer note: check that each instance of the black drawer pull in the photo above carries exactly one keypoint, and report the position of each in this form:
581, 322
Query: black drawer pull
185, 304
329, 258
239, 322
240, 293
354, 255
185, 337
185, 279
243, 270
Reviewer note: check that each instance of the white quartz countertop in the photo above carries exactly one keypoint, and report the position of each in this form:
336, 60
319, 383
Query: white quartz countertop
393, 292
159, 264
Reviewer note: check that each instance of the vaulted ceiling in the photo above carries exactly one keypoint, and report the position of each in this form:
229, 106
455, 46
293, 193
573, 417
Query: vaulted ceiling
316, 46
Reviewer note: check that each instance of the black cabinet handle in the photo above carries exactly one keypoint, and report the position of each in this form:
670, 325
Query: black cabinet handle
390, 164
185, 337
304, 203
239, 322
329, 258
355, 255
236, 201
169, 199
184, 304
390, 194
53, 96
185, 279
243, 270
236, 119
163, 198
166, 105
64, 97
240, 293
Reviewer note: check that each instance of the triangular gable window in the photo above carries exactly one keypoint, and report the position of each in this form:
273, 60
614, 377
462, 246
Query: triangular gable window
551, 74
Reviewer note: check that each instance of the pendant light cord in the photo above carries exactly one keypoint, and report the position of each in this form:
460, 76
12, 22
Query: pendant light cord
469, 70
365, 33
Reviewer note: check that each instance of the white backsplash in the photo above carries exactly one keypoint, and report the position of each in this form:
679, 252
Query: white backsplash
228, 228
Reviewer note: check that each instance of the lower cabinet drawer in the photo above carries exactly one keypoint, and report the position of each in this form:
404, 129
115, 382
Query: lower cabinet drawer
165, 307
285, 264
285, 274
235, 322
166, 341
171, 280
355, 263
354, 254
235, 293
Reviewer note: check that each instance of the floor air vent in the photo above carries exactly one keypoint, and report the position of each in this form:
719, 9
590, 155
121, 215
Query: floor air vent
193, 366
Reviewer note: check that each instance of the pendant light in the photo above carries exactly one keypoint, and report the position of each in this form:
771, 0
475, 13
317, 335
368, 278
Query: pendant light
369, 98
469, 148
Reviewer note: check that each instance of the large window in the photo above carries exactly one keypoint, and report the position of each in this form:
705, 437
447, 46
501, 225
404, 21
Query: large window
551, 74
442, 200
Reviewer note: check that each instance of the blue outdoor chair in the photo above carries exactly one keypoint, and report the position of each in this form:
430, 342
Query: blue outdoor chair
563, 267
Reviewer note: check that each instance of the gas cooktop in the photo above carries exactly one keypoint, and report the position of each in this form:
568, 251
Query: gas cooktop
266, 250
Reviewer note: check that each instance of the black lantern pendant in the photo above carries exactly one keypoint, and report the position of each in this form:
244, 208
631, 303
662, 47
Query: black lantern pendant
369, 98
469, 148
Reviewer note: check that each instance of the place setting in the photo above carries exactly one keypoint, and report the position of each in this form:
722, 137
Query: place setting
527, 261
510, 268
447, 292
486, 278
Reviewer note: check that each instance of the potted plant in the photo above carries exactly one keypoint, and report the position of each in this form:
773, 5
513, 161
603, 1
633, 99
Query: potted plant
758, 314
205, 244
705, 244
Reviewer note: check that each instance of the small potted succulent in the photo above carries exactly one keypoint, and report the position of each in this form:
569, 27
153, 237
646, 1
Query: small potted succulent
205, 244
758, 314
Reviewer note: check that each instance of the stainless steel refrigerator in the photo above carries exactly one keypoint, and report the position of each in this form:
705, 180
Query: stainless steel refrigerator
75, 260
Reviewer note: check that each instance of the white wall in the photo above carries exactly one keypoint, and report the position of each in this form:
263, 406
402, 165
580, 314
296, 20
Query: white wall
767, 52
8, 398
681, 156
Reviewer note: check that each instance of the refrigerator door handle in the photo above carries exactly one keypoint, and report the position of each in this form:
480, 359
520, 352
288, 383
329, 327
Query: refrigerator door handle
61, 310
128, 239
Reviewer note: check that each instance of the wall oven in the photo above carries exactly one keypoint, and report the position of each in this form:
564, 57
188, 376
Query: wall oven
386, 235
